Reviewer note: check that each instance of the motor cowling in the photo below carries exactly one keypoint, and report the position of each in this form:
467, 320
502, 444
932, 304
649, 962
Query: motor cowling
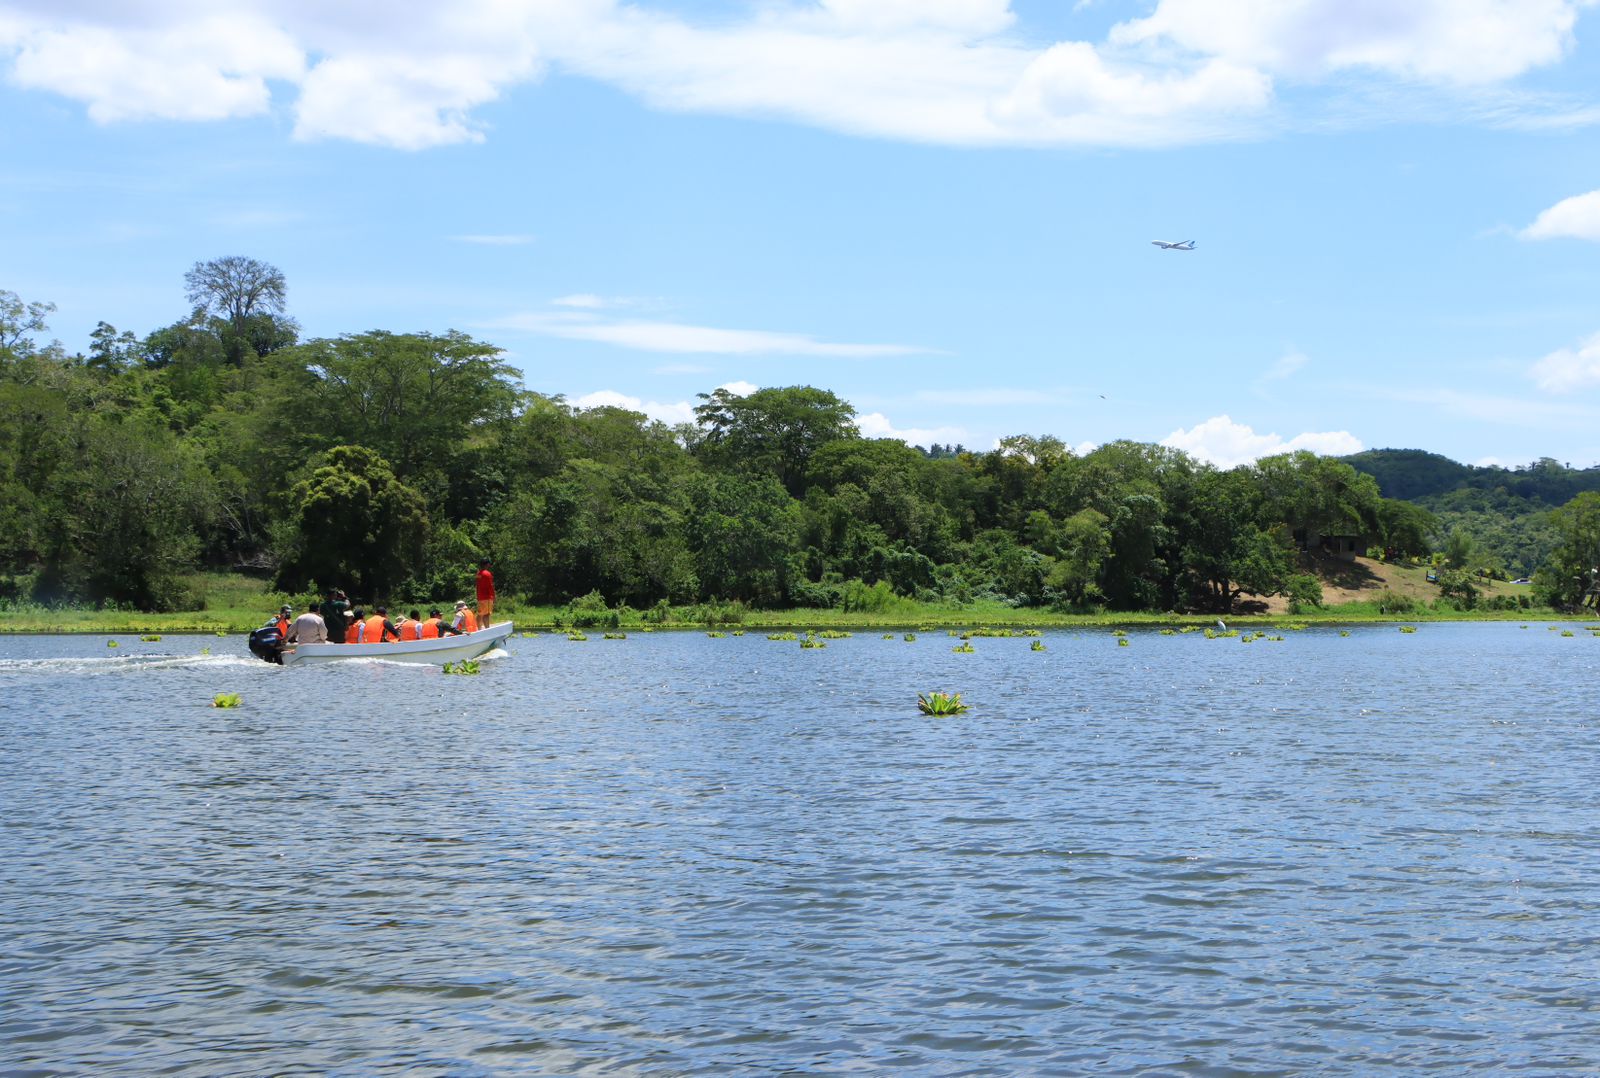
266, 643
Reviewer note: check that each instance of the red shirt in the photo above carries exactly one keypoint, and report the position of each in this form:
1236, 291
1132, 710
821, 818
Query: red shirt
485, 585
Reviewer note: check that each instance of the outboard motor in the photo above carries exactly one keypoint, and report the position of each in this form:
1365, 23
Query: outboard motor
267, 643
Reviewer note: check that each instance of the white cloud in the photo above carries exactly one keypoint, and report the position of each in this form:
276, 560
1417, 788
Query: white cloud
1569, 369
1227, 444
1440, 41
1577, 217
678, 337
670, 413
213, 67
877, 425
410, 74
496, 239
677, 412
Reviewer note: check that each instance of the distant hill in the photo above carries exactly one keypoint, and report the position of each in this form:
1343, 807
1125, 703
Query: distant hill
1503, 510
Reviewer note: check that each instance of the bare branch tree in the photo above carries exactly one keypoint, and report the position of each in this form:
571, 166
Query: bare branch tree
236, 288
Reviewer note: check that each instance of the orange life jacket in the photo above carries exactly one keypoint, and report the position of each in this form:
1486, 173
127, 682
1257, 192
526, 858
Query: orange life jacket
283, 626
374, 629
429, 629
469, 621
408, 629
352, 635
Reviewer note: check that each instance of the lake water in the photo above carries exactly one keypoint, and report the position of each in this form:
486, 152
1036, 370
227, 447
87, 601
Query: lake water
1367, 854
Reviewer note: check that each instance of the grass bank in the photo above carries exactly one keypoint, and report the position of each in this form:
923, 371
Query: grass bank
236, 604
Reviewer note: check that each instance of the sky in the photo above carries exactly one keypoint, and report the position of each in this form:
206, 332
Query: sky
941, 210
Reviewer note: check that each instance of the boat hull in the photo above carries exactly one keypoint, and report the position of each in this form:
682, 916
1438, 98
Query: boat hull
446, 649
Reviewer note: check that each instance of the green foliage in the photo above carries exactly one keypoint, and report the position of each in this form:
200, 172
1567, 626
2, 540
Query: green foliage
967, 648
589, 612
1572, 576
226, 699
1037, 645
940, 703
464, 667
1305, 593
355, 525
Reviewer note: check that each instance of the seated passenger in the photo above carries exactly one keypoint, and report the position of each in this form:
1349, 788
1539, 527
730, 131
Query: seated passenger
352, 635
378, 629
466, 621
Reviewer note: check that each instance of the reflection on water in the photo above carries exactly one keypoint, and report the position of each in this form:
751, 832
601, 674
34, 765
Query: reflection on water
675, 854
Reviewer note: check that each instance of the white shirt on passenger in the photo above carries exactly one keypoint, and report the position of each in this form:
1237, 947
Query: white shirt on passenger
309, 628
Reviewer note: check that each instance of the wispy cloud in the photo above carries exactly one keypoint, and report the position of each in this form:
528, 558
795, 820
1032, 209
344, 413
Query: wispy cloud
656, 336
506, 239
672, 412
1227, 444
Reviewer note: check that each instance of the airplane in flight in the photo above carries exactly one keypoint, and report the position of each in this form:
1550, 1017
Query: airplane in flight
1186, 245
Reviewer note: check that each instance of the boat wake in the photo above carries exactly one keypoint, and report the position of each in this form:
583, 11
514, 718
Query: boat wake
91, 666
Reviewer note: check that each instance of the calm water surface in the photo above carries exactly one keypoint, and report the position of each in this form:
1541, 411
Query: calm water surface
1373, 854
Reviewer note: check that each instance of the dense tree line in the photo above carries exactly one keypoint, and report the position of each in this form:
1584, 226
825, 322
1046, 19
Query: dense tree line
389, 462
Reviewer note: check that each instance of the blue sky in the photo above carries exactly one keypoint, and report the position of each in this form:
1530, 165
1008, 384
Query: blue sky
939, 209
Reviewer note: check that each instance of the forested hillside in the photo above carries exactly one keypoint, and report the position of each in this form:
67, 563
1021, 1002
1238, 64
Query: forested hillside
1501, 516
388, 462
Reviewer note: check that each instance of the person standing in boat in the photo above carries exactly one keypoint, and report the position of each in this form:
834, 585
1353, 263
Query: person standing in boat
485, 595
335, 616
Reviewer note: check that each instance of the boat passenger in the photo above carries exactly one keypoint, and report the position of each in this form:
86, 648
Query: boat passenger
283, 620
465, 621
309, 628
358, 621
436, 627
335, 615
406, 626
378, 629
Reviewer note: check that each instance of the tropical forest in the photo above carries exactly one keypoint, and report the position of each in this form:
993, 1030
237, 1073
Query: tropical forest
138, 467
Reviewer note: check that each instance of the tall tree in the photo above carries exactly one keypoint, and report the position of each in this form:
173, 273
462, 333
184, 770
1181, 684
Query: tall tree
1572, 575
249, 296
775, 431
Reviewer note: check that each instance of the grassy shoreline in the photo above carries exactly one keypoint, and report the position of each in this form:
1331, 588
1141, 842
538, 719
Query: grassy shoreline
237, 604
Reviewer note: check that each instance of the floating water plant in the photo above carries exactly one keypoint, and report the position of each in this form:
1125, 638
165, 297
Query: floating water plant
151, 639
1344, 632
940, 703
111, 644
810, 643
1118, 632
738, 632
221, 633
465, 666
1169, 632
1566, 632
1037, 645
888, 636
616, 636
1031, 632
1408, 628
993, 632
782, 636
717, 635
911, 638
226, 699
1122, 641
834, 634
576, 636
527, 634
965, 648
951, 632
1193, 629
205, 651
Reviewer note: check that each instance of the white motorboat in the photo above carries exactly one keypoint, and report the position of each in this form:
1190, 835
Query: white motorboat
445, 649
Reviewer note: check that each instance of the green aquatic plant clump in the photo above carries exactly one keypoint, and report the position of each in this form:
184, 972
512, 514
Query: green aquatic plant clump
1408, 628
834, 634
1037, 645
888, 636
965, 648
465, 666
940, 703
783, 636
1169, 632
1344, 632
226, 699
576, 637
616, 636
717, 635
1122, 641
810, 643
152, 639
911, 638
